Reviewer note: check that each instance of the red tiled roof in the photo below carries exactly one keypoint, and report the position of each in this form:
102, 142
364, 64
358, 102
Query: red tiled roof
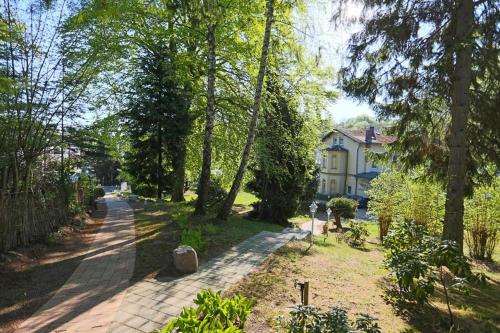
359, 136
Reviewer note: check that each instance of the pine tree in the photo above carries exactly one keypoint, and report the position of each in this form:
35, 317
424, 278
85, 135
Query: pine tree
434, 67
158, 121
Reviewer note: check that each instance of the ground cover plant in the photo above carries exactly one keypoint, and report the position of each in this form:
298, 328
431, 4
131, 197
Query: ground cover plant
305, 318
212, 313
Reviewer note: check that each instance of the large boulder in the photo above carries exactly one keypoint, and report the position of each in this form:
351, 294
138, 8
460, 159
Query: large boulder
186, 259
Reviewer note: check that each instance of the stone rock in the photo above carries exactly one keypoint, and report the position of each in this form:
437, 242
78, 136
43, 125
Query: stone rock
185, 259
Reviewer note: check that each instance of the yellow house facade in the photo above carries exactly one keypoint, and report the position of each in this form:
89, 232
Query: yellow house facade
344, 165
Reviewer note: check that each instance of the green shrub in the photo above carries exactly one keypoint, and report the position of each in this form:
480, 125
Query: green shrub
311, 319
482, 221
98, 192
193, 238
418, 262
356, 235
212, 314
182, 220
342, 207
216, 195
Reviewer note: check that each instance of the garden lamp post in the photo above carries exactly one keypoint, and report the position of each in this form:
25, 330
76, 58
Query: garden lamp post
312, 208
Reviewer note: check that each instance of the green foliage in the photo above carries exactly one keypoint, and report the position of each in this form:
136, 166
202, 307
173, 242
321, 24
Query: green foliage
396, 196
182, 220
356, 235
216, 195
311, 319
387, 195
387, 58
99, 192
284, 166
364, 121
418, 261
212, 314
482, 221
342, 207
210, 229
193, 237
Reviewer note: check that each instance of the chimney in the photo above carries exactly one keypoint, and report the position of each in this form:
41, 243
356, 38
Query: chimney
370, 134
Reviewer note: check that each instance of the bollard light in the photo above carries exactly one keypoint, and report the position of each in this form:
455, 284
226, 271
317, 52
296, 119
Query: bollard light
312, 208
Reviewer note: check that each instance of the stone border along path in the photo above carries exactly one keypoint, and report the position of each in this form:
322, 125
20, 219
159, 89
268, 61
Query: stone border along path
149, 304
89, 299
97, 297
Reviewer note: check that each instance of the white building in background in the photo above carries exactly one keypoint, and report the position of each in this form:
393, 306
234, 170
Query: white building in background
344, 165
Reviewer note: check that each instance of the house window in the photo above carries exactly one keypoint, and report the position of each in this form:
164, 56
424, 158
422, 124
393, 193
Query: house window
374, 166
349, 189
323, 186
333, 186
341, 141
334, 140
334, 161
323, 162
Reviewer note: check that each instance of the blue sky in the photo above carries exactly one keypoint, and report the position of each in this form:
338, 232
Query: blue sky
320, 33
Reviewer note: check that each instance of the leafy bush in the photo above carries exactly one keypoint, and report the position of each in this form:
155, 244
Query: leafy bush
216, 195
182, 220
418, 261
212, 314
387, 192
193, 238
98, 192
482, 216
342, 207
356, 235
311, 319
395, 196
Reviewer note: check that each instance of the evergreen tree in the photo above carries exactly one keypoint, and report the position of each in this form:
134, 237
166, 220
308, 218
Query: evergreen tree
434, 67
158, 122
284, 165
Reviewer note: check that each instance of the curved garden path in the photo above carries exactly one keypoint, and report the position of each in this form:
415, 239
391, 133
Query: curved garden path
90, 298
98, 296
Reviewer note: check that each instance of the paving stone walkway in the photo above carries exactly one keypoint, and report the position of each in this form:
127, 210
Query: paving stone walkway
92, 295
149, 304
98, 296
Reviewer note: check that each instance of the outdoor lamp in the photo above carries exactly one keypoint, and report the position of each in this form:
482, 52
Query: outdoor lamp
312, 208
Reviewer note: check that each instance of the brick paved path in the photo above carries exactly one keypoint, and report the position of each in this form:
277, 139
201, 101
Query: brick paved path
97, 297
149, 304
89, 299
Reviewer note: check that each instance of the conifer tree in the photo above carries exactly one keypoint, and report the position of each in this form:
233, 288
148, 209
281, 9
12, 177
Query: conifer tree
434, 67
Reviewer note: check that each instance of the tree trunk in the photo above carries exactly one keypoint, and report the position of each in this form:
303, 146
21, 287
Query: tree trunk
179, 166
228, 203
209, 125
159, 171
338, 223
461, 80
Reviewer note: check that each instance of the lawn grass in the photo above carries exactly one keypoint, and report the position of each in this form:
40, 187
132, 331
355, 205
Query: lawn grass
355, 279
158, 233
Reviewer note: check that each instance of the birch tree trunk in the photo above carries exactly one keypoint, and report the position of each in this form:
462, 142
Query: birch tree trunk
461, 81
209, 125
228, 203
